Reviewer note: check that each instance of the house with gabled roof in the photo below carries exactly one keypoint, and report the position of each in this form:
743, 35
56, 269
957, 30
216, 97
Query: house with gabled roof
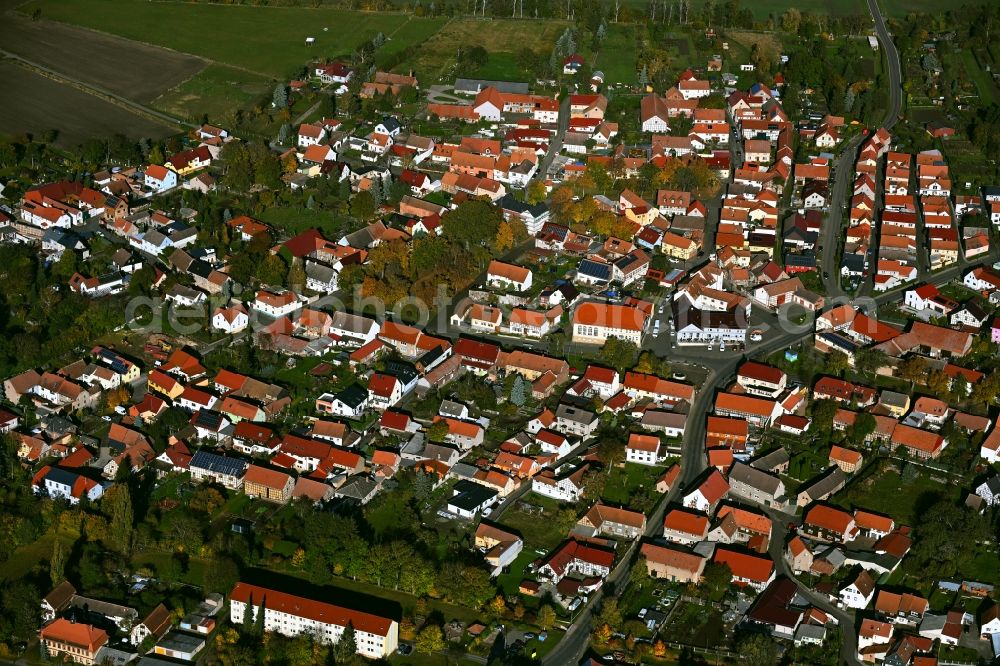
685, 526
859, 592
706, 492
756, 485
612, 521
748, 569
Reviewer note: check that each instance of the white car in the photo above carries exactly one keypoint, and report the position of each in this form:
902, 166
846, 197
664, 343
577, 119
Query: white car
756, 336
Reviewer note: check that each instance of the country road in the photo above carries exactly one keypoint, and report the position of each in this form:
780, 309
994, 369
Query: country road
892, 62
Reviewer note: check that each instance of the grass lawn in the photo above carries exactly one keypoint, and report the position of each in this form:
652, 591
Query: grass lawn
193, 575
265, 40
503, 39
807, 464
887, 493
617, 57
624, 482
510, 580
536, 528
294, 220
983, 81
28, 557
215, 91
904, 7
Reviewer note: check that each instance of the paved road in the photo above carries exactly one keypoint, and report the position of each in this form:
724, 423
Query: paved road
776, 549
892, 61
832, 235
557, 141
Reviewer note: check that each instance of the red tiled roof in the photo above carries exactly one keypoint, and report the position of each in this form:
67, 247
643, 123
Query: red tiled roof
745, 565
829, 518
318, 611
688, 522
268, 478
78, 634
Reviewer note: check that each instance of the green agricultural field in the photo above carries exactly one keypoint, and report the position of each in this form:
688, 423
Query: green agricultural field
265, 40
216, 90
904, 7
765, 8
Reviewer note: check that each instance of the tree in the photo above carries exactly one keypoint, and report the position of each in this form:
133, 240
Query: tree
602, 635
870, 360
864, 425
757, 650
913, 369
619, 354
517, 391
296, 276
345, 650
438, 431
716, 578
280, 96
430, 640
423, 484
117, 504
258, 619
498, 606
836, 362
643, 77
272, 271
791, 20
536, 192
546, 617
57, 563
639, 573
65, 267
363, 206
610, 614
246, 627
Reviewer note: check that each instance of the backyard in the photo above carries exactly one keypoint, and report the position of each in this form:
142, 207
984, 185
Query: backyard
886, 492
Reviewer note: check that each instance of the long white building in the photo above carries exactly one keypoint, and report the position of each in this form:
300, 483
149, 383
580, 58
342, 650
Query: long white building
289, 615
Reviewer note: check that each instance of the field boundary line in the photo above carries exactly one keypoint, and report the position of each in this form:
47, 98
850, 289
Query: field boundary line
206, 60
105, 95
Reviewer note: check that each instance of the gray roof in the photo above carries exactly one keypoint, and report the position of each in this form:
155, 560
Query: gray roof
452, 409
353, 396
346, 321
826, 484
756, 478
769, 461
658, 418
570, 413
320, 272
813, 631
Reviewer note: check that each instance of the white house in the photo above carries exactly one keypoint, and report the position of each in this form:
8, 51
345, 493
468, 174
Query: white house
350, 402
59, 483
989, 490
560, 485
643, 449
859, 593
275, 303
159, 178
230, 320
502, 274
